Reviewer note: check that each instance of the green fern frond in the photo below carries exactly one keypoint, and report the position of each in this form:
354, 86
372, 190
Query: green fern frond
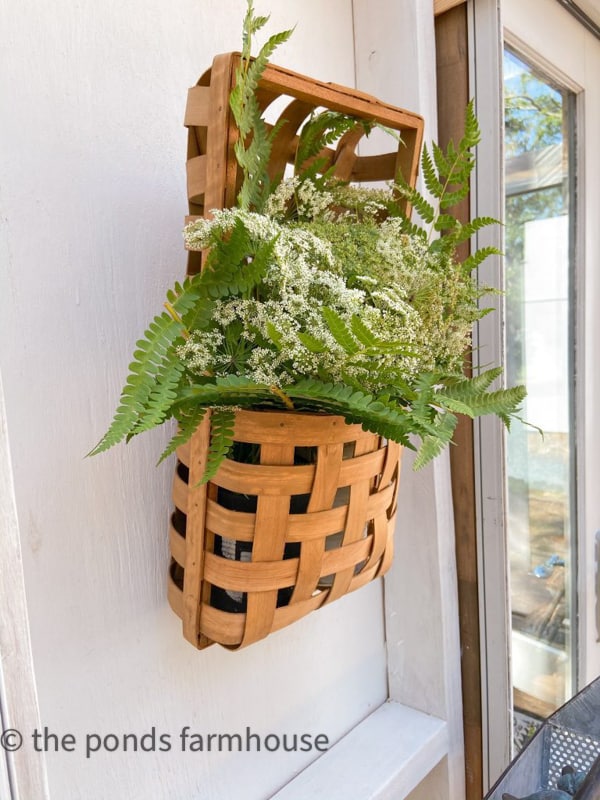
377, 415
235, 264
312, 343
473, 261
503, 402
430, 176
452, 198
160, 400
253, 157
472, 132
425, 210
464, 232
445, 222
151, 359
340, 331
454, 405
484, 380
319, 131
442, 163
189, 419
221, 440
433, 445
231, 390
362, 333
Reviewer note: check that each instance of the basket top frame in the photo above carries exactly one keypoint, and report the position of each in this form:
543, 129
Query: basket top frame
213, 177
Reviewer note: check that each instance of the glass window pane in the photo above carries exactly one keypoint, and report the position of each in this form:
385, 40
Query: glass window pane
539, 235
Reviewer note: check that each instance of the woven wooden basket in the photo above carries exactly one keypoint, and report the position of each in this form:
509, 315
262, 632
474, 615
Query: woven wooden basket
312, 518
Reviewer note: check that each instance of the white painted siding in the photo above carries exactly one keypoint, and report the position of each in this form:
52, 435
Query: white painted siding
93, 196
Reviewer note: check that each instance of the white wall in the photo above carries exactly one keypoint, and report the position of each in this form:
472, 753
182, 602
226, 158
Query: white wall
92, 194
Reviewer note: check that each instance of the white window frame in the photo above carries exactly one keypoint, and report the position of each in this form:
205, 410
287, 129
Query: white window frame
487, 36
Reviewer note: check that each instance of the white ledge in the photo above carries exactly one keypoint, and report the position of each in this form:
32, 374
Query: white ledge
384, 758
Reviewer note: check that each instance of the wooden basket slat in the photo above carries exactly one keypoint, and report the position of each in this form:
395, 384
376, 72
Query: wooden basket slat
305, 429
309, 570
379, 532
249, 576
198, 108
374, 168
345, 153
253, 479
196, 178
354, 533
286, 140
195, 542
177, 545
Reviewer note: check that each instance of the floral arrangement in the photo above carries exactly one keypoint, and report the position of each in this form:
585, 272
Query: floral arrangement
318, 296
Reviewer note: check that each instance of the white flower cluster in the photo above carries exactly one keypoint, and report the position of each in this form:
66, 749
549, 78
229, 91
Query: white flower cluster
278, 334
200, 234
309, 202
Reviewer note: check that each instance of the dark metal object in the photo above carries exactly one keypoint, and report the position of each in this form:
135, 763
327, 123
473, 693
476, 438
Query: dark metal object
571, 736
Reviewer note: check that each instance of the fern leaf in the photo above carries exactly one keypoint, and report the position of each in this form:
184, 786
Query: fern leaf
454, 405
475, 259
441, 162
340, 331
235, 264
312, 343
254, 157
464, 232
189, 420
433, 445
274, 335
319, 131
362, 333
429, 173
231, 390
451, 199
160, 400
503, 402
416, 199
378, 415
445, 222
221, 440
153, 355
472, 134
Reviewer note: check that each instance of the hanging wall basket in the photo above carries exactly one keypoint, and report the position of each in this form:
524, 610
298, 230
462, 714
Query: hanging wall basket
311, 519
303, 510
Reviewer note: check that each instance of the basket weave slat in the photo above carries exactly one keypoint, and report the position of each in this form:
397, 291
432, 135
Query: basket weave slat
195, 538
196, 178
272, 429
198, 108
312, 518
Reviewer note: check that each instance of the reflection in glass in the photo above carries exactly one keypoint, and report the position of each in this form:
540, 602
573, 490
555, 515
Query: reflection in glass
539, 225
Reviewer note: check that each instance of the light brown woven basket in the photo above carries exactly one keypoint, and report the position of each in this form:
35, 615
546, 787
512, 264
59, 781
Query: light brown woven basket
267, 542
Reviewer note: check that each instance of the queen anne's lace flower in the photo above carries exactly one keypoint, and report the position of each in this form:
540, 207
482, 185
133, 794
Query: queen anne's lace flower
401, 290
